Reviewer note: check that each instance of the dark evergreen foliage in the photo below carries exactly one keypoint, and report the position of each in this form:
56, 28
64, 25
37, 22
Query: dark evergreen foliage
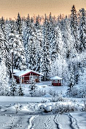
20, 91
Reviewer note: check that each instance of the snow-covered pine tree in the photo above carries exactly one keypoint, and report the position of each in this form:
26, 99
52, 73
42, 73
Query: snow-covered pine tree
9, 29
20, 91
45, 51
26, 34
60, 45
2, 45
52, 38
4, 49
19, 24
37, 24
74, 26
73, 21
32, 54
30, 44
2, 24
68, 39
26, 28
16, 46
39, 39
13, 87
4, 78
82, 31
32, 87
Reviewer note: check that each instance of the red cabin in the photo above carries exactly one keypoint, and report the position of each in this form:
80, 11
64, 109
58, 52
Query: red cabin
56, 81
25, 76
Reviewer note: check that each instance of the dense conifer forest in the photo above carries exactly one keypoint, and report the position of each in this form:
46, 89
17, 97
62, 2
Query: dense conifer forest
50, 45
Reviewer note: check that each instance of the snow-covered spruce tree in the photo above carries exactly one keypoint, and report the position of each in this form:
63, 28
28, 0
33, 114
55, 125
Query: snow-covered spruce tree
82, 31
2, 24
32, 54
16, 46
37, 24
19, 24
26, 35
2, 45
7, 28
39, 40
29, 39
20, 91
74, 26
60, 52
69, 52
67, 48
73, 69
13, 87
4, 48
4, 78
60, 44
73, 73
10, 27
71, 78
60, 68
32, 38
73, 21
19, 57
32, 87
45, 51
26, 31
52, 38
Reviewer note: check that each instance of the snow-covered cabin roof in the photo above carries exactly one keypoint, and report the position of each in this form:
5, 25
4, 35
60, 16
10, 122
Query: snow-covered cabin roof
56, 78
23, 72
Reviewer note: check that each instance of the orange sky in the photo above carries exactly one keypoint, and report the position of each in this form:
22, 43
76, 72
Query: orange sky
10, 8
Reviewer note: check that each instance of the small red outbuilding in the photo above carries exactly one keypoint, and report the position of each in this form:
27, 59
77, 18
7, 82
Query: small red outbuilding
25, 76
56, 81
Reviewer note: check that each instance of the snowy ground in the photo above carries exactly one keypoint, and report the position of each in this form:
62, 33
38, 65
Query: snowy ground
28, 114
28, 119
57, 121
47, 87
42, 112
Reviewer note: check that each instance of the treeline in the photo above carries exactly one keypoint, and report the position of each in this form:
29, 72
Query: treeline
50, 45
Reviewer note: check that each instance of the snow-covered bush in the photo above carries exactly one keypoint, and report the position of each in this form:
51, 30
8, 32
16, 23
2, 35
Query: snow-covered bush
60, 107
48, 108
45, 108
56, 99
39, 93
72, 92
78, 92
65, 108
53, 93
